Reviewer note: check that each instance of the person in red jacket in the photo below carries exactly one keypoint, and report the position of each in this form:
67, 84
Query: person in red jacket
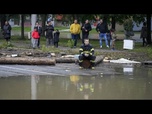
35, 37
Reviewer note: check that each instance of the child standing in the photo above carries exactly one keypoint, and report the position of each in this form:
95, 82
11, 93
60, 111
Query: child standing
56, 37
113, 39
35, 37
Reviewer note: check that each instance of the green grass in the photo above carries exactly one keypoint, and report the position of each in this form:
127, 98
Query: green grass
27, 29
93, 31
17, 42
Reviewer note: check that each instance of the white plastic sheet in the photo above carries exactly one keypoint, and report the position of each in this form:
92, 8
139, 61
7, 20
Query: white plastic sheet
122, 60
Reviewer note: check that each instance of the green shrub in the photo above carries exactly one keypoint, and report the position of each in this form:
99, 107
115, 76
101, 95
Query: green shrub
70, 43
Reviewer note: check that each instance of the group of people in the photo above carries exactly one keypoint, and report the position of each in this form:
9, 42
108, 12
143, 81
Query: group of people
102, 28
86, 50
52, 36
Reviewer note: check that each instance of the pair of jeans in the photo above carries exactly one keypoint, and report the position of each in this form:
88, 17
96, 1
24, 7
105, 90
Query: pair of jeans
75, 38
34, 42
84, 36
103, 35
49, 42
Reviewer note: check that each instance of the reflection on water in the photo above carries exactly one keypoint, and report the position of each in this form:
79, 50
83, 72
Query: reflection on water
132, 83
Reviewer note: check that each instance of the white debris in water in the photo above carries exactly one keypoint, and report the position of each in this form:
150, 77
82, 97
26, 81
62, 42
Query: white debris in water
122, 60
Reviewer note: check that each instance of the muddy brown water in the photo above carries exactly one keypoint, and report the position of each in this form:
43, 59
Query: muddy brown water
110, 81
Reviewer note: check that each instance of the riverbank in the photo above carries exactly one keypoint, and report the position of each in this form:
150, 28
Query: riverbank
23, 47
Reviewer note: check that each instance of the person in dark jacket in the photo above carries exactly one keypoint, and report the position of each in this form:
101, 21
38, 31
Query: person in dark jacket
102, 29
6, 31
56, 37
86, 28
39, 28
49, 33
87, 52
143, 34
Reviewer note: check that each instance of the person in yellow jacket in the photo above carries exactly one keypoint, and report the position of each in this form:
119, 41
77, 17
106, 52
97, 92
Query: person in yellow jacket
75, 30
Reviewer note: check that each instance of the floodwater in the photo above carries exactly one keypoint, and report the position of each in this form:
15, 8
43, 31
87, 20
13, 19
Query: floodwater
127, 81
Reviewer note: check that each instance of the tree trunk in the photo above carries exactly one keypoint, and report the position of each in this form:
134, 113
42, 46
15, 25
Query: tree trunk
20, 20
74, 16
27, 61
113, 22
149, 28
3, 19
22, 26
43, 17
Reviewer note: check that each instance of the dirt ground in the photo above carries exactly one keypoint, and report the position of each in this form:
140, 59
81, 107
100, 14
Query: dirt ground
23, 49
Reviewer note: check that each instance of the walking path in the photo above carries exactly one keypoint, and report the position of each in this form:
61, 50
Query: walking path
63, 34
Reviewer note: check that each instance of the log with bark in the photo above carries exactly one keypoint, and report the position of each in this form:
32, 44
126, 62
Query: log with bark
27, 60
73, 60
99, 59
65, 60
86, 63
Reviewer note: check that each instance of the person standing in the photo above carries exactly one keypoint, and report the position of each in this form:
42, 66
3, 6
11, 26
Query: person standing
86, 28
35, 37
56, 37
6, 31
75, 29
102, 29
143, 34
39, 28
113, 39
49, 33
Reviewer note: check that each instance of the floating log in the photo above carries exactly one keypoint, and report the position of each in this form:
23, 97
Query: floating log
27, 60
147, 62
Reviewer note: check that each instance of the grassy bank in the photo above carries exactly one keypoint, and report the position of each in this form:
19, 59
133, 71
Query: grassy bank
138, 53
27, 29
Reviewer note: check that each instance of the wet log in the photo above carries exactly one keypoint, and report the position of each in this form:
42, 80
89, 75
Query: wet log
86, 63
27, 61
73, 60
99, 59
147, 62
65, 60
